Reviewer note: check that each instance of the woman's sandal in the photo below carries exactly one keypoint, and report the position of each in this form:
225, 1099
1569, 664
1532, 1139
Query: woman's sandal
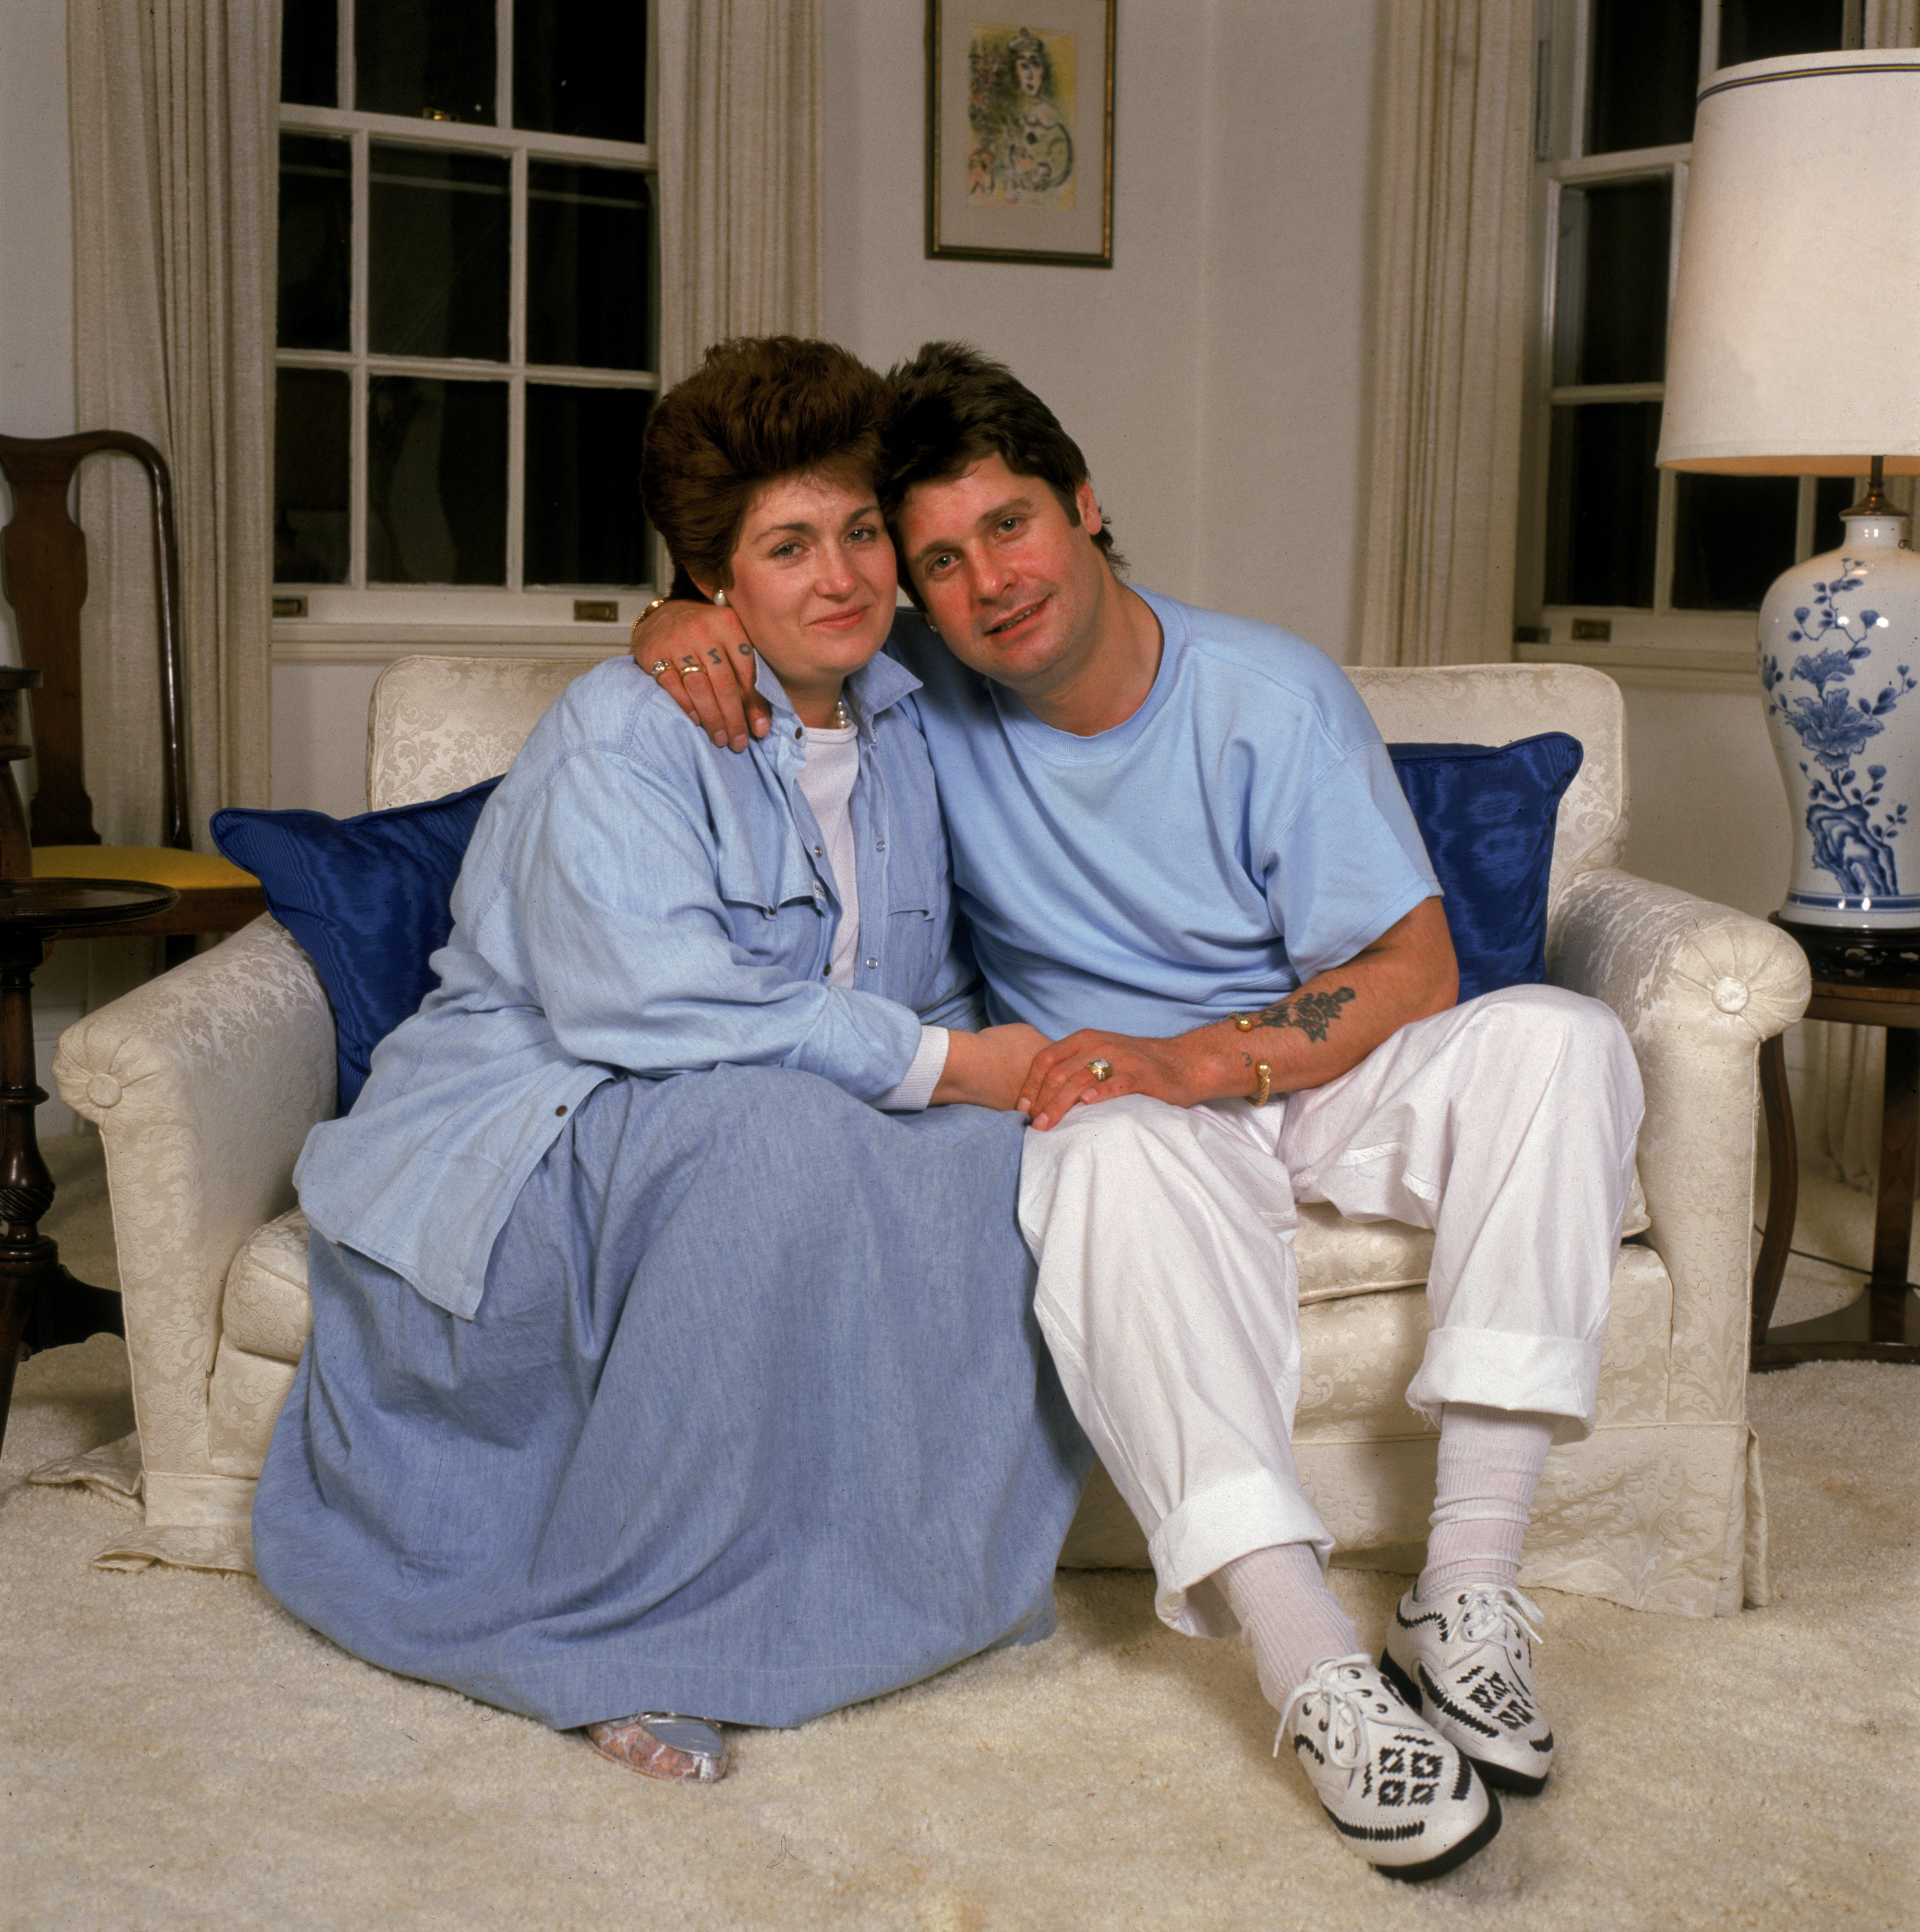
660, 1744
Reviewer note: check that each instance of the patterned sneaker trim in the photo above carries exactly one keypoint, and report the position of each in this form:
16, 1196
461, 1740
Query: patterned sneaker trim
1360, 1731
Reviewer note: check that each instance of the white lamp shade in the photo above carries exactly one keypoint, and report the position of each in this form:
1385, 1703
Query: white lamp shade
1795, 347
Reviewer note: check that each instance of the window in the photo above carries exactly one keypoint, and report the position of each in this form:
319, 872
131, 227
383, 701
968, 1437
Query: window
1613, 551
466, 320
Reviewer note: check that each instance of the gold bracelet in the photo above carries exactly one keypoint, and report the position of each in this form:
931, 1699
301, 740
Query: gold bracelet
1260, 1099
649, 610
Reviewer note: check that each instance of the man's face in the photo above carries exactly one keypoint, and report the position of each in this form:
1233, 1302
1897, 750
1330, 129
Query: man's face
1013, 586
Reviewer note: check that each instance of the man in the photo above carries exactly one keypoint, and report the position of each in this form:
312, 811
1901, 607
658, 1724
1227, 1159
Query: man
1183, 828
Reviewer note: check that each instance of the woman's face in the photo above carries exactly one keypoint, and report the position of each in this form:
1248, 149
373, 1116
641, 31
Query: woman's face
1029, 72
813, 581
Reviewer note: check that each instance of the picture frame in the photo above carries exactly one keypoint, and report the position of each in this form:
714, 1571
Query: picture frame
1019, 131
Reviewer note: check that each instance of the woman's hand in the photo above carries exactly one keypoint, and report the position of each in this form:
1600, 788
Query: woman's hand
987, 1069
699, 655
1183, 1071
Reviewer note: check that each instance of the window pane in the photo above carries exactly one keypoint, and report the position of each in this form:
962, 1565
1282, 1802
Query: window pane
310, 407
1602, 504
1732, 535
1610, 309
583, 520
1645, 71
433, 57
1759, 29
310, 52
588, 249
316, 224
436, 481
1832, 495
580, 67
437, 255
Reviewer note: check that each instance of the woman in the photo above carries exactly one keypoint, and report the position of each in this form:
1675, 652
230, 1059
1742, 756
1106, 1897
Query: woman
655, 1366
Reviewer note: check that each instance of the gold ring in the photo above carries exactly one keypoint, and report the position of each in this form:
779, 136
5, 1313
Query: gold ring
659, 665
1101, 1069
687, 664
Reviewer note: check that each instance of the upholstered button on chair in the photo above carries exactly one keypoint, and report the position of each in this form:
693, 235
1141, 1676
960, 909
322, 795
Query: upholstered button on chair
205, 1082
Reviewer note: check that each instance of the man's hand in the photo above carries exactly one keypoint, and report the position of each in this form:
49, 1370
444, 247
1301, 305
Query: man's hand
987, 1068
1311, 1036
700, 655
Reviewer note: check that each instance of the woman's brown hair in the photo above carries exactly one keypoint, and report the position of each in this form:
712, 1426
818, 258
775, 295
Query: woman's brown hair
758, 407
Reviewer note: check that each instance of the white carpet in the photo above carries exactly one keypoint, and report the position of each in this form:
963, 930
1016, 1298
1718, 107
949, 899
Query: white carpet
175, 1751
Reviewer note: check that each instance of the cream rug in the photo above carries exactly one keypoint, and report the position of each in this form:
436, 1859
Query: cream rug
176, 1752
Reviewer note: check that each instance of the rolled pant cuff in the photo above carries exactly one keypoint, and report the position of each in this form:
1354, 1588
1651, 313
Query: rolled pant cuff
1541, 1375
1208, 1531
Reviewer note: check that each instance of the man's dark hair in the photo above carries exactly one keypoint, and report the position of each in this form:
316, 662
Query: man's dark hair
758, 408
956, 407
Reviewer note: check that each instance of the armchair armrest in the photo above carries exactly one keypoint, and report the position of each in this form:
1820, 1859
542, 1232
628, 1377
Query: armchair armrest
204, 1083
1697, 986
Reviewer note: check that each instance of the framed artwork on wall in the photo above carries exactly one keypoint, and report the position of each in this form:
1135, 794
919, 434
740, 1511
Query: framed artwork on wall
1019, 131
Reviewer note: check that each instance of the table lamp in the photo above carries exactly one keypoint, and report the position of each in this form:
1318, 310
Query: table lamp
1795, 351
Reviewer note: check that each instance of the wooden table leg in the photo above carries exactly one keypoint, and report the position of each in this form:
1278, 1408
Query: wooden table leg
1783, 1196
1883, 1323
1893, 1207
39, 1300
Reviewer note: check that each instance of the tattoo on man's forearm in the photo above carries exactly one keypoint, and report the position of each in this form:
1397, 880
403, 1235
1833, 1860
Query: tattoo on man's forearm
1312, 1013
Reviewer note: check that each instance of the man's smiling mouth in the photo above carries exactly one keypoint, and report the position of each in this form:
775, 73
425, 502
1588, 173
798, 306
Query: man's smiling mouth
1014, 622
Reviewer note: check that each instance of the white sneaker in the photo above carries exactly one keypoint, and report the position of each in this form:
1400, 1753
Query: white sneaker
1405, 1800
1465, 1661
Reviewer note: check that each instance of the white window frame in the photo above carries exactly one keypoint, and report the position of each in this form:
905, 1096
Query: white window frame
1712, 644
357, 620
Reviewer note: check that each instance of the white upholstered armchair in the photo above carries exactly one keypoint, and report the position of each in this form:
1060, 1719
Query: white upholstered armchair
204, 1082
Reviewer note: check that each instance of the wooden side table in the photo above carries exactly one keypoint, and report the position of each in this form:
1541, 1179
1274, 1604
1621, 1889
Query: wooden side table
40, 1301
1859, 981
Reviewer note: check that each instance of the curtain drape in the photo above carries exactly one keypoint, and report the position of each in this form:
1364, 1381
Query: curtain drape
1839, 1125
174, 115
740, 88
1449, 332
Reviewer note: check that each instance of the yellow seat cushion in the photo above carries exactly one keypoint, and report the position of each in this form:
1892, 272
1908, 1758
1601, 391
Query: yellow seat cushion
150, 864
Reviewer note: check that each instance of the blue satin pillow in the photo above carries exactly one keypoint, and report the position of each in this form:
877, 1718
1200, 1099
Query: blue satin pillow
369, 899
1486, 812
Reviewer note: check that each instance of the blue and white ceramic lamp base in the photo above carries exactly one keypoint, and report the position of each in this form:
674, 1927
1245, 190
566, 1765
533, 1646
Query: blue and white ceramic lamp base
1840, 670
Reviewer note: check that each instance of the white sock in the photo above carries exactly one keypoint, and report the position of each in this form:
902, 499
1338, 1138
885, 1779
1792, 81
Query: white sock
1490, 1459
1293, 1619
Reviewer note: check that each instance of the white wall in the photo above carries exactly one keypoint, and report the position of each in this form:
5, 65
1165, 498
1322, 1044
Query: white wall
1708, 812
1215, 374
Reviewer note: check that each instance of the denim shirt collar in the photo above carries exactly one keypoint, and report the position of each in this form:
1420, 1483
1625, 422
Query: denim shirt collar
877, 686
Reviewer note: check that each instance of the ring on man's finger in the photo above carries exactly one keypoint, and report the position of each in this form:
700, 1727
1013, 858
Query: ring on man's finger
1101, 1069
659, 664
689, 664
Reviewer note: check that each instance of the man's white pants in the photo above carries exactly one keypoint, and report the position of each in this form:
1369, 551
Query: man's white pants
1168, 1292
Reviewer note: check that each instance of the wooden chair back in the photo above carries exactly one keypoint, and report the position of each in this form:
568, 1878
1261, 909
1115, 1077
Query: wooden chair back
43, 570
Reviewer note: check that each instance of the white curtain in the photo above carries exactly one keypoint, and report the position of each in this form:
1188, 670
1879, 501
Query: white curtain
1839, 1125
1449, 331
174, 113
740, 88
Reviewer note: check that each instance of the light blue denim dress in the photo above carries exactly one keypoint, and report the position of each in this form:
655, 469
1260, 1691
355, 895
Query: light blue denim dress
652, 1367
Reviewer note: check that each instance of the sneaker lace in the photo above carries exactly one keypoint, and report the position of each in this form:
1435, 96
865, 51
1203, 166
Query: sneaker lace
1343, 1682
1501, 1614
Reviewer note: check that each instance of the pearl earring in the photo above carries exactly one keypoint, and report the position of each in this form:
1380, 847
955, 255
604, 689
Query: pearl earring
720, 597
